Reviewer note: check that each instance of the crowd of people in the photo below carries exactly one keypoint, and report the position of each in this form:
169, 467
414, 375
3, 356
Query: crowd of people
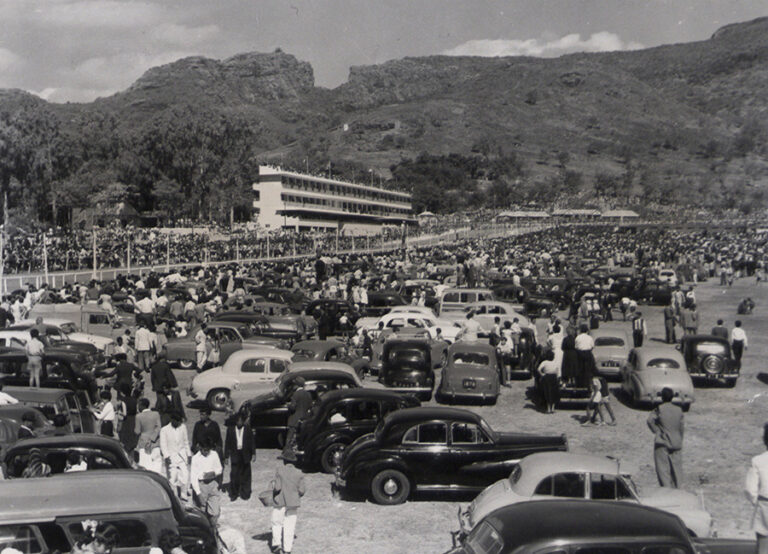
141, 405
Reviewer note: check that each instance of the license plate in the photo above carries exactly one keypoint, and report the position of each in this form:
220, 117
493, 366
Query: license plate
469, 384
610, 364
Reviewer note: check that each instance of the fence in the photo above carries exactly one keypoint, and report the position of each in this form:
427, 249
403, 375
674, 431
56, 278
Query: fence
57, 279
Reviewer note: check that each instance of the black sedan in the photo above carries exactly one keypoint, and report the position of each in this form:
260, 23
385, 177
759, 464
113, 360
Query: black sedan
433, 449
61, 369
339, 418
268, 413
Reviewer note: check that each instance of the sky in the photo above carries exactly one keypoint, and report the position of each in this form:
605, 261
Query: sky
78, 50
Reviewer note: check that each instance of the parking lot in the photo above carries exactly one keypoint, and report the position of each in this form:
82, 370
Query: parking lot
722, 431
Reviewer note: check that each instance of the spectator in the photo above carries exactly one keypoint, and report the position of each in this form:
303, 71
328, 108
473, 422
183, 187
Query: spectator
288, 487
204, 473
738, 342
666, 423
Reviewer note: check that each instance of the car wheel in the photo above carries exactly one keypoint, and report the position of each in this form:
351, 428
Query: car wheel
390, 487
331, 457
186, 364
218, 399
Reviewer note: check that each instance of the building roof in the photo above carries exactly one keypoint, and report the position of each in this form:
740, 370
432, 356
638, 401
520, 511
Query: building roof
620, 213
521, 214
576, 212
426, 213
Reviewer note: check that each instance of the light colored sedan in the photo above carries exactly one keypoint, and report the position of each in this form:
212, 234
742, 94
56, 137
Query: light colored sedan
473, 372
551, 475
251, 371
486, 313
650, 369
611, 350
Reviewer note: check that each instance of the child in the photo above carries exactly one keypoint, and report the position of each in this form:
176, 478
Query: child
593, 408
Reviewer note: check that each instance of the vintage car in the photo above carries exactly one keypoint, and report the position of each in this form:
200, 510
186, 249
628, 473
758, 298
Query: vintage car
524, 360
138, 504
473, 372
334, 307
588, 527
653, 292
457, 299
568, 475
534, 305
380, 302
63, 332
62, 369
268, 412
97, 451
650, 369
232, 337
329, 350
611, 350
11, 418
485, 313
668, 276
709, 360
434, 449
438, 347
449, 328
341, 416
413, 287
250, 371
53, 340
406, 365
260, 325
52, 401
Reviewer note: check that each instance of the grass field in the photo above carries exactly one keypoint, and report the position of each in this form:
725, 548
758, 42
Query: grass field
722, 432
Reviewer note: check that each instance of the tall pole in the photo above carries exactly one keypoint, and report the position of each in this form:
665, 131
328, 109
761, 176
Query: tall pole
237, 249
337, 239
168, 253
128, 255
95, 261
45, 257
294, 246
2, 261
268, 256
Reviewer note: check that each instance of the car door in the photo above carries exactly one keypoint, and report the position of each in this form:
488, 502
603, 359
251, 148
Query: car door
69, 405
362, 416
476, 461
424, 448
254, 375
229, 342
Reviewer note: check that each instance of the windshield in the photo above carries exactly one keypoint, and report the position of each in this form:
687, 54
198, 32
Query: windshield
245, 331
69, 328
304, 353
609, 341
663, 363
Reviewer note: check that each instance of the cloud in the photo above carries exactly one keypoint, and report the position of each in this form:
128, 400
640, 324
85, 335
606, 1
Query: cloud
181, 35
597, 42
8, 59
108, 74
96, 14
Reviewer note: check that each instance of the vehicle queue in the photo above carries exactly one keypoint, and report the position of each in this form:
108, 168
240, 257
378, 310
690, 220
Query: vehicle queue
385, 447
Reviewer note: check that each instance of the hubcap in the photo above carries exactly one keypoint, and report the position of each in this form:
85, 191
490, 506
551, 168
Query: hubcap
390, 486
220, 400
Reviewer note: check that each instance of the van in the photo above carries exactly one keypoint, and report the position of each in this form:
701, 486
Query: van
91, 319
47, 514
455, 300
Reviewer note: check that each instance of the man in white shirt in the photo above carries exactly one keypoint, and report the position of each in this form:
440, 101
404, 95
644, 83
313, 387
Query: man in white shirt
174, 446
738, 342
205, 470
201, 347
143, 342
34, 350
471, 328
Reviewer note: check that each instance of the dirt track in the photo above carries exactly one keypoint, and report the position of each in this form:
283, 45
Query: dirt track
723, 430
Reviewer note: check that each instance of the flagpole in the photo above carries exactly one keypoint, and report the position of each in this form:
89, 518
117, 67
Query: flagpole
45, 257
95, 261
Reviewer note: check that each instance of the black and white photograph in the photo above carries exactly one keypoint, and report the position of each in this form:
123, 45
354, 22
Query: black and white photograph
383, 277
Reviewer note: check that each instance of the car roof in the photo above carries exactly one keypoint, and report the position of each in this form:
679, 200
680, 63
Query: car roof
94, 493
536, 467
461, 289
316, 344
78, 440
34, 394
607, 332
533, 521
364, 393
425, 413
217, 323
249, 353
471, 346
647, 352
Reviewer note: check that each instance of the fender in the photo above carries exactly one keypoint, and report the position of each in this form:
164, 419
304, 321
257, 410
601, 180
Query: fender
369, 468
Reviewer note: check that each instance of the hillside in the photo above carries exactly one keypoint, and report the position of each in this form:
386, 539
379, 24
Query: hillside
677, 123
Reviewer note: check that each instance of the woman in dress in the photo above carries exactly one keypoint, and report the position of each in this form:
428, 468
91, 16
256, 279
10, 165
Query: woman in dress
570, 365
549, 370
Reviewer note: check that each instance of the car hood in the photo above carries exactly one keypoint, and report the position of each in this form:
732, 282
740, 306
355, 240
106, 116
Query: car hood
97, 341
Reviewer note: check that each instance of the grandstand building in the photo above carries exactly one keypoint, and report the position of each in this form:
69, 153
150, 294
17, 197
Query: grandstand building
289, 200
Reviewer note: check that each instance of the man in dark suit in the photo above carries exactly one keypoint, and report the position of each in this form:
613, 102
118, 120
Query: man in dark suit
204, 428
161, 374
168, 403
239, 448
124, 371
299, 405
666, 422
720, 330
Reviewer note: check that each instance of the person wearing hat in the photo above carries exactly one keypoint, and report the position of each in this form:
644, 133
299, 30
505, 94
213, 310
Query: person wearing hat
287, 489
298, 407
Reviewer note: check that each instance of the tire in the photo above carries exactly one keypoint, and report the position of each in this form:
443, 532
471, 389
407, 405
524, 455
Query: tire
218, 399
712, 365
390, 487
187, 364
330, 459
686, 407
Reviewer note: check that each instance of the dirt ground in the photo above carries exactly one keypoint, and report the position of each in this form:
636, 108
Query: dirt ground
722, 432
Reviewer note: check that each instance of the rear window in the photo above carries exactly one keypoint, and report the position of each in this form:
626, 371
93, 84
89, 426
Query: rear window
407, 356
609, 341
663, 363
716, 348
473, 358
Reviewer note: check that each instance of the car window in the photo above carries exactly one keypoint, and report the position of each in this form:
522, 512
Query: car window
467, 297
363, 410
254, 366
467, 433
663, 363
229, 335
21, 537
427, 433
485, 540
17, 343
565, 485
71, 402
608, 487
496, 310
474, 358
98, 319
396, 322
10, 367
609, 341
451, 297
69, 328
131, 533
278, 366
390, 406
102, 461
485, 296
716, 348
415, 323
